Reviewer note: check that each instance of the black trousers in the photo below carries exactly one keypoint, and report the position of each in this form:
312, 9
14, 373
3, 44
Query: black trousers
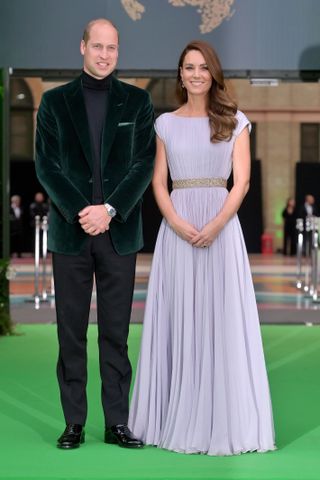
290, 241
73, 277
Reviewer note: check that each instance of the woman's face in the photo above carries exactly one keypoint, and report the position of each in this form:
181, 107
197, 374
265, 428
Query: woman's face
195, 74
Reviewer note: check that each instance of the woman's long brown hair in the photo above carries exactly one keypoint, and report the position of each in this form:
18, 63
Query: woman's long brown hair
221, 108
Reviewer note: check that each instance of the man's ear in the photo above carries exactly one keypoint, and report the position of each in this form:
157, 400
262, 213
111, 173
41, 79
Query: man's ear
82, 47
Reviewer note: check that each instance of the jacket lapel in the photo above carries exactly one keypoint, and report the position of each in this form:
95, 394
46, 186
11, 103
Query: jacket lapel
117, 101
75, 102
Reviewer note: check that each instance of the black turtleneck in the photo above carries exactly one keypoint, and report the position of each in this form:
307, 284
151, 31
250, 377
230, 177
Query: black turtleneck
96, 97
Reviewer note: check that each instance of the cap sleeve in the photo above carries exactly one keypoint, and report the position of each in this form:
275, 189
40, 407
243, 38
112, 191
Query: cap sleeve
243, 122
160, 127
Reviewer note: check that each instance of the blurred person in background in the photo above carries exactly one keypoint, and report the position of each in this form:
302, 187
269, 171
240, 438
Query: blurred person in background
16, 226
39, 207
306, 211
289, 216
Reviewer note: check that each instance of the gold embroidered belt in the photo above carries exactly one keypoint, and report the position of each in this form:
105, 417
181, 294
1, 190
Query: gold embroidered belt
199, 182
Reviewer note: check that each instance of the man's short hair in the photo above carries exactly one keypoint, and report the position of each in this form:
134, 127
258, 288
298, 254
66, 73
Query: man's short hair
86, 33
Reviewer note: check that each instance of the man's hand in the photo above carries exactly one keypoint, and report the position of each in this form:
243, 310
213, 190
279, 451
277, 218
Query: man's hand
94, 219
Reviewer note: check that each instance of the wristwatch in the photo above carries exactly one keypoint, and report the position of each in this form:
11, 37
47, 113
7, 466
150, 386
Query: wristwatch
112, 212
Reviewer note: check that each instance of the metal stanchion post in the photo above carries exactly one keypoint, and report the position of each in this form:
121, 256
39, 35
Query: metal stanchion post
37, 262
313, 238
52, 285
40, 225
315, 259
299, 227
44, 227
308, 226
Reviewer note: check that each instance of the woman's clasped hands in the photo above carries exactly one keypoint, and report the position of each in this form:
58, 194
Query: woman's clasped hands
200, 239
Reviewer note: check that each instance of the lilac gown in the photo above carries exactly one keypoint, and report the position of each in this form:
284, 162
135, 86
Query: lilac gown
201, 384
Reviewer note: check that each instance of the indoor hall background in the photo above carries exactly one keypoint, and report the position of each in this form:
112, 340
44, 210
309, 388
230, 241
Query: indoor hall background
272, 44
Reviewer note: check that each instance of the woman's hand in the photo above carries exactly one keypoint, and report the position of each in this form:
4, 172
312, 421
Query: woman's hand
207, 235
185, 230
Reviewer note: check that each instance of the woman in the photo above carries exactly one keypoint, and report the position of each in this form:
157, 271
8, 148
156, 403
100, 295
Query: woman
289, 216
201, 384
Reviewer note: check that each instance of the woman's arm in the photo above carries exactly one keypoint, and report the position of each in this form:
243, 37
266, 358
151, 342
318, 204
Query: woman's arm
160, 187
241, 177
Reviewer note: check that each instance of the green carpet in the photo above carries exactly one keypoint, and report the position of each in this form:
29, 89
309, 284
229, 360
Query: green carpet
31, 419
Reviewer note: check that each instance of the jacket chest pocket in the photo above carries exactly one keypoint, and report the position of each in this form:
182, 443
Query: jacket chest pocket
122, 147
125, 130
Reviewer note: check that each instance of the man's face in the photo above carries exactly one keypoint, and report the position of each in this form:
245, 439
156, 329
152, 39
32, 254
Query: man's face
39, 198
100, 52
310, 199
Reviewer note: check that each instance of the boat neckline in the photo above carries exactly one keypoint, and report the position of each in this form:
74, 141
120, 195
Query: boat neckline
185, 116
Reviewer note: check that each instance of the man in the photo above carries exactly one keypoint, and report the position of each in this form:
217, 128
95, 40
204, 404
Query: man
306, 211
39, 208
16, 226
95, 153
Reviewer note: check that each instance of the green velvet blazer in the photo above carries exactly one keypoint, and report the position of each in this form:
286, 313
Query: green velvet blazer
64, 163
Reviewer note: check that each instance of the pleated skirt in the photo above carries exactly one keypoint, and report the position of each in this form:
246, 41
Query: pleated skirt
201, 384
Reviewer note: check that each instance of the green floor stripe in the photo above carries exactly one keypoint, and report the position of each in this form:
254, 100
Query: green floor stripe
31, 420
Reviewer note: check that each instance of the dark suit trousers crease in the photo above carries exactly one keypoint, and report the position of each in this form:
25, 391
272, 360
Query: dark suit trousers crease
73, 277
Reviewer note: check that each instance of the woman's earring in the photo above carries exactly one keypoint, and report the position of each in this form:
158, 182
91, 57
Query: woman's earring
182, 84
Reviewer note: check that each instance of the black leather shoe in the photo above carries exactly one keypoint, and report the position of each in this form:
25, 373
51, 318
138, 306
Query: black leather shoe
72, 437
121, 435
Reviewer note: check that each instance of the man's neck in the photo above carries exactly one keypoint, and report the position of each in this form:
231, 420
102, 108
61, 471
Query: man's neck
88, 81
